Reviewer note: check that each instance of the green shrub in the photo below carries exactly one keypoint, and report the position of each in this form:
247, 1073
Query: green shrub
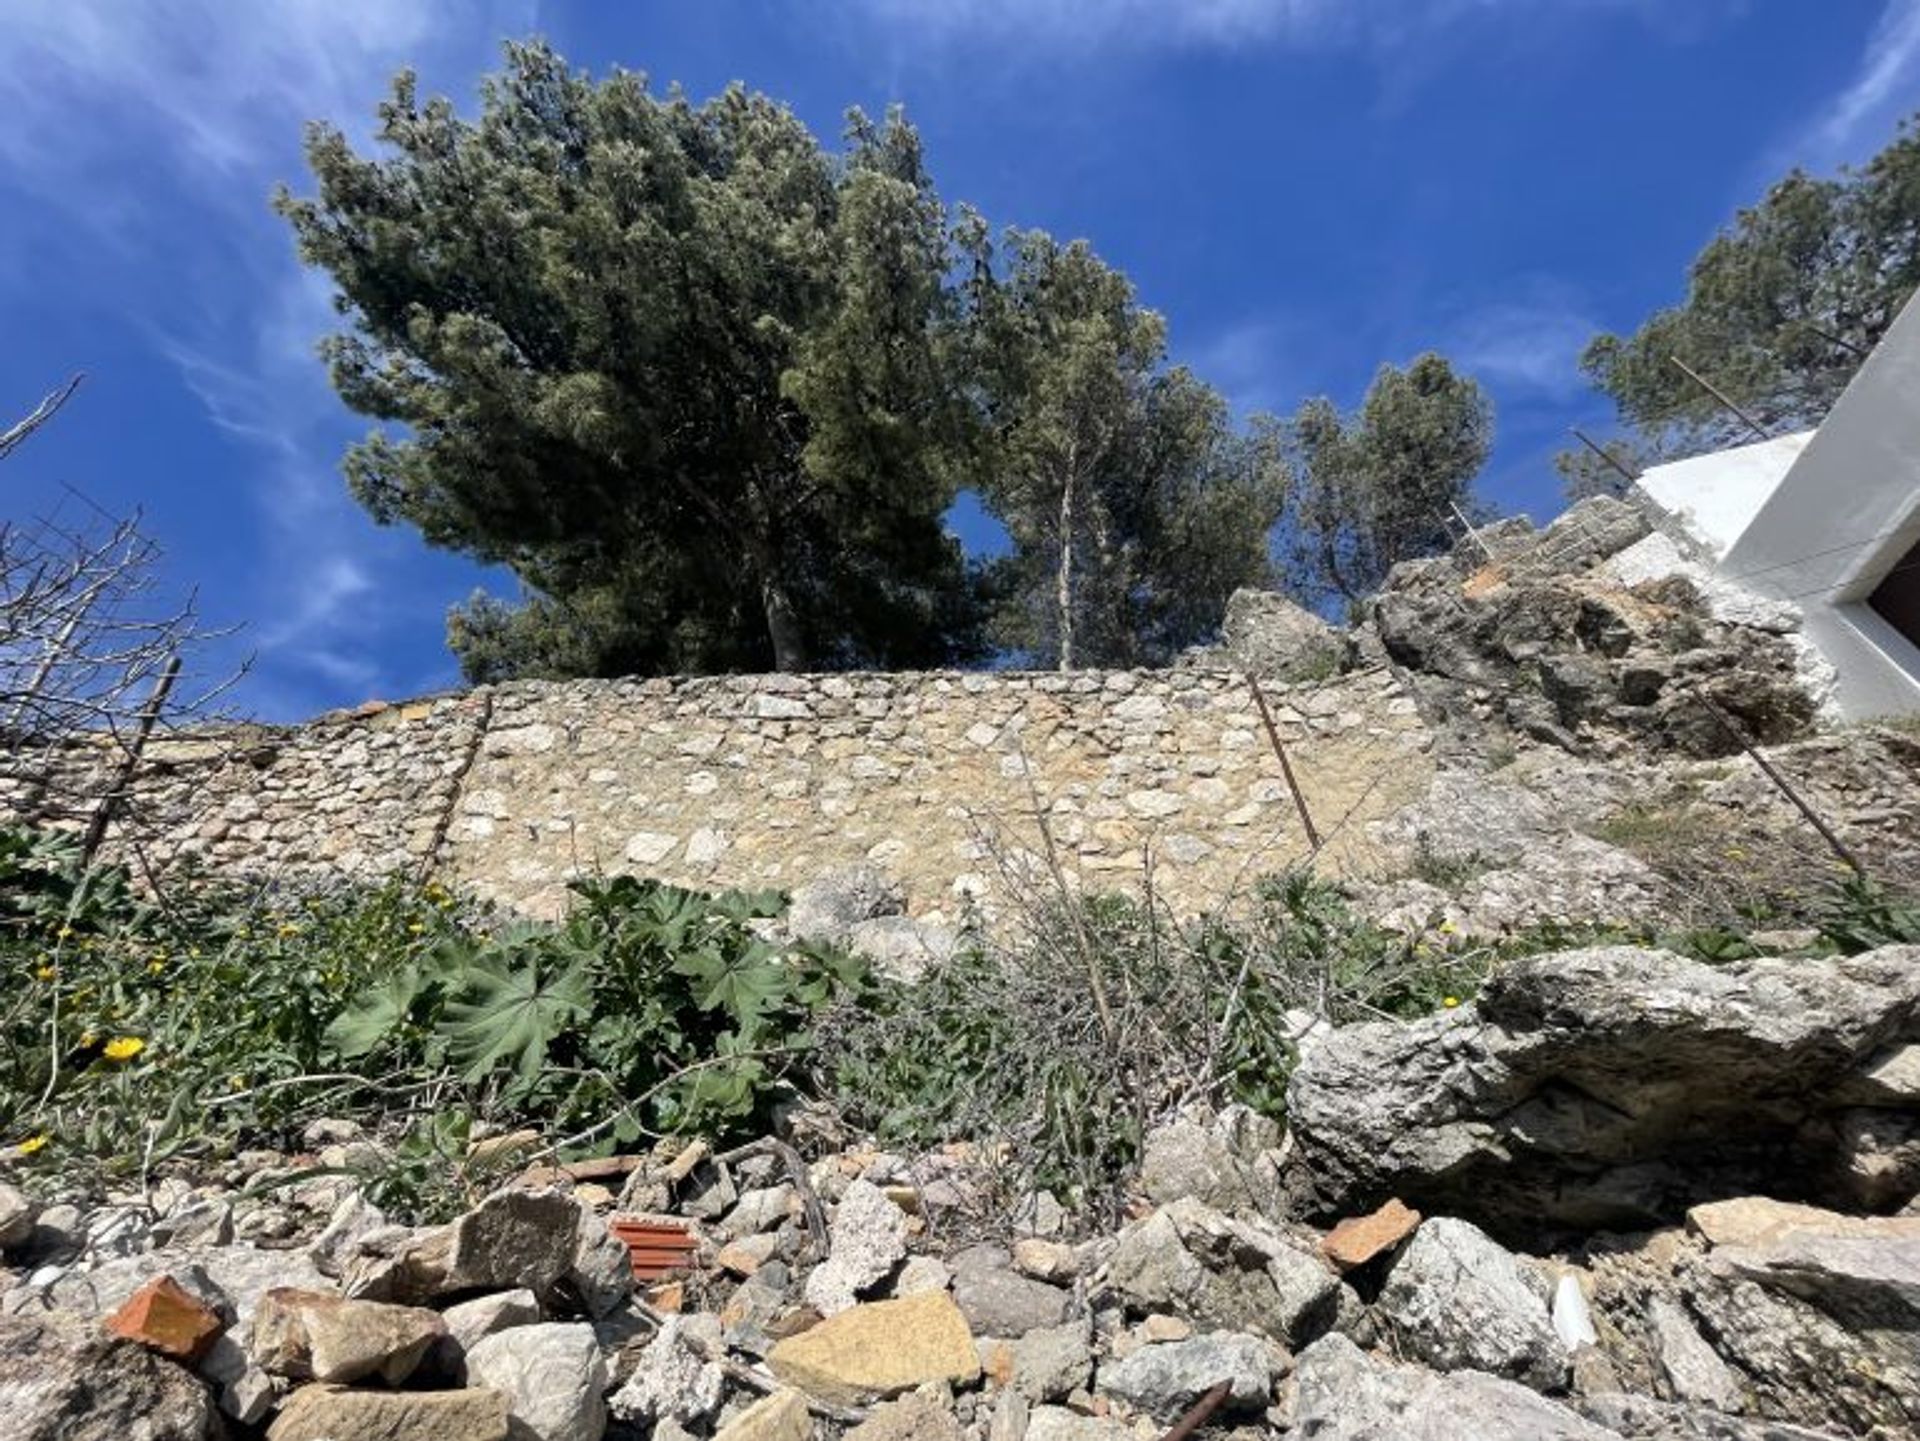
133, 1031
1103, 1015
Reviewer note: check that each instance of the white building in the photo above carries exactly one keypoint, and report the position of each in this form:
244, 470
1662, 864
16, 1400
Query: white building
1830, 520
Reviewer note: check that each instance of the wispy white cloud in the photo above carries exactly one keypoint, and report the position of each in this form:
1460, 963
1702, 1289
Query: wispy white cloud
1526, 341
1138, 24
165, 124
1884, 86
1249, 362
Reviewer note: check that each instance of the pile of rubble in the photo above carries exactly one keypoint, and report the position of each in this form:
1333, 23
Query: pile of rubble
1576, 1209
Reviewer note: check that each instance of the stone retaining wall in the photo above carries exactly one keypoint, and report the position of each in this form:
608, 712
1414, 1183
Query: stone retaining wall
768, 780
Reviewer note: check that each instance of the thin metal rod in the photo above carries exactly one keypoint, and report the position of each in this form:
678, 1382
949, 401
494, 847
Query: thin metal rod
1827, 833
1202, 1410
149, 717
1700, 380
1286, 766
1604, 454
1472, 534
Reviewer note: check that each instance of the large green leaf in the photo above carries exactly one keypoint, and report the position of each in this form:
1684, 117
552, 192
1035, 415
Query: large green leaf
742, 981
375, 1014
509, 1014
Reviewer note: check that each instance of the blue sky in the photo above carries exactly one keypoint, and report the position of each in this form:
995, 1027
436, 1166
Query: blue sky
1306, 188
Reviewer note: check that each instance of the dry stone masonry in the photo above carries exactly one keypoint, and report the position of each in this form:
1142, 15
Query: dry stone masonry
770, 780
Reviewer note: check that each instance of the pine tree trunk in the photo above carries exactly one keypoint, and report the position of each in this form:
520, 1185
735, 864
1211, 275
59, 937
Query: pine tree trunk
783, 618
1064, 580
783, 627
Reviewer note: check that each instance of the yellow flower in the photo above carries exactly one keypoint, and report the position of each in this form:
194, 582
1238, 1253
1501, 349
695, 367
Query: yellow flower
63, 933
46, 973
87, 1038
1450, 1002
155, 967
236, 1083
31, 1144
289, 929
124, 1048
416, 927
1447, 928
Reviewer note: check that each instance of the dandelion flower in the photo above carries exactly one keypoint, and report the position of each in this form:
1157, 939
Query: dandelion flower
123, 1048
31, 1144
155, 967
289, 929
1450, 1002
416, 927
46, 973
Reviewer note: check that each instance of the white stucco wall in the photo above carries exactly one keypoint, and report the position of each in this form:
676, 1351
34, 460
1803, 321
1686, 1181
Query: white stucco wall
1717, 496
1819, 518
1844, 515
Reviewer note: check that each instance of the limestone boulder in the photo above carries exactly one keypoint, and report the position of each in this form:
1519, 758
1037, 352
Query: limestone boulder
1342, 1394
1269, 636
1602, 1088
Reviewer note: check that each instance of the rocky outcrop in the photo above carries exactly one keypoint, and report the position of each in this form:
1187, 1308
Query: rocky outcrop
1269, 636
1535, 633
1604, 1088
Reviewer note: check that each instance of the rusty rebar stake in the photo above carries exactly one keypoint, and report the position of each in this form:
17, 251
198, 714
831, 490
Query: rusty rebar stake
1286, 766
1827, 832
1202, 1410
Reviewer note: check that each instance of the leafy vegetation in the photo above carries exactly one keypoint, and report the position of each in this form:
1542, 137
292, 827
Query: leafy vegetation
1781, 307
1381, 485
1105, 1014
134, 1031
709, 389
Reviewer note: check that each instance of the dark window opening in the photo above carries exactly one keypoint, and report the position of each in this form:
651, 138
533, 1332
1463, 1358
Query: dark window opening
1897, 597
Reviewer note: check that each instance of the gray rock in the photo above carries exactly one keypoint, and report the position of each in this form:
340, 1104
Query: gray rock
1165, 1379
1231, 1274
16, 1217
826, 909
1341, 1394
758, 1210
999, 1301
672, 1381
1056, 1423
470, 1322
1193, 1158
1458, 1301
601, 1275
1641, 1418
901, 948
205, 1223
511, 1239
866, 1240
1267, 635
553, 1378
1691, 1367
1049, 1363
240, 1275
353, 1221
1609, 1087
63, 1382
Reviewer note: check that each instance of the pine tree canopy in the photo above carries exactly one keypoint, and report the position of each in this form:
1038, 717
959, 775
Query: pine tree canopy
1781, 308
